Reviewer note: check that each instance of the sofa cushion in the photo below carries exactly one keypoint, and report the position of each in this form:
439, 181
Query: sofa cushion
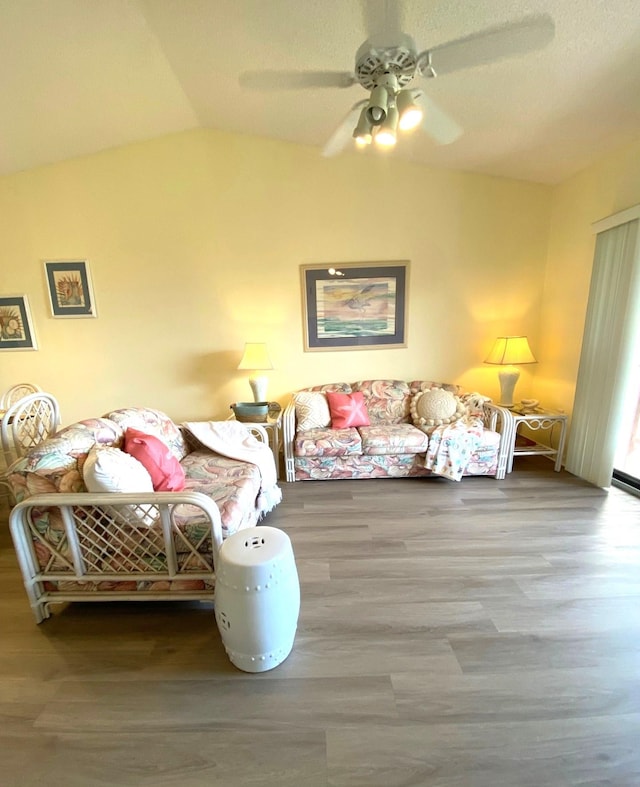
328, 442
232, 485
312, 410
166, 473
112, 470
153, 422
387, 400
347, 409
384, 439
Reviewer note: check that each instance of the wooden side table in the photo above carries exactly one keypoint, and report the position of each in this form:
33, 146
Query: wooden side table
546, 420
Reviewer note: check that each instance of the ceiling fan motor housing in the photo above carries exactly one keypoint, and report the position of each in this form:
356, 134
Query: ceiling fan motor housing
374, 62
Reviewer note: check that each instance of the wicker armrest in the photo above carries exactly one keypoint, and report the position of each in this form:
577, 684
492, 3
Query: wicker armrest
288, 435
498, 420
106, 538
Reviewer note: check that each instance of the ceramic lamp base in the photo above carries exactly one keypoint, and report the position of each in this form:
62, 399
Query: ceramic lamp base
259, 388
508, 378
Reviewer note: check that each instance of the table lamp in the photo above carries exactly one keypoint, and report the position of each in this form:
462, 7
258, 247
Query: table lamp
509, 351
256, 358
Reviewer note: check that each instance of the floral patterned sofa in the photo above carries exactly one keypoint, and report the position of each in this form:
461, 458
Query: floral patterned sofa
397, 442
78, 545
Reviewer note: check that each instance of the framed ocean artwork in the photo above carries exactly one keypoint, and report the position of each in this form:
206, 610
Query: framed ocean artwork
355, 306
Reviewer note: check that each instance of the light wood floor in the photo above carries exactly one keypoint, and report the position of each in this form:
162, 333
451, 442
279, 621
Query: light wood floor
480, 634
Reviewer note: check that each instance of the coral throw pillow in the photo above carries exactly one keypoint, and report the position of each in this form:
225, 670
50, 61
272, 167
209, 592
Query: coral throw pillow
347, 409
166, 472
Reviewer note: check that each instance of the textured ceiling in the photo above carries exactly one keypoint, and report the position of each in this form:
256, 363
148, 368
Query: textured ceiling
79, 76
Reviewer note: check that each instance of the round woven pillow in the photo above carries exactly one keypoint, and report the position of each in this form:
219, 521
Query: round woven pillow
436, 407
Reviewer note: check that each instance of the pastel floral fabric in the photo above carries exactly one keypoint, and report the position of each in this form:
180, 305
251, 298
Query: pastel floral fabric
153, 422
328, 442
393, 439
56, 465
338, 387
387, 400
383, 466
391, 446
231, 484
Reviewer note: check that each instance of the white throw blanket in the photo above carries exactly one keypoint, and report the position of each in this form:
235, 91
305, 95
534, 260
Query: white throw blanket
450, 448
233, 439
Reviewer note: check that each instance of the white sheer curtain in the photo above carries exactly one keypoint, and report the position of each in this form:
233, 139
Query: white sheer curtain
612, 323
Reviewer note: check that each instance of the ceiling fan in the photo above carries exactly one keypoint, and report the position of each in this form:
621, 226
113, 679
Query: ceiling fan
390, 68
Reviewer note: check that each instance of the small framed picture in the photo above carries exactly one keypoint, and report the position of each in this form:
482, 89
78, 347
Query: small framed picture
16, 328
69, 288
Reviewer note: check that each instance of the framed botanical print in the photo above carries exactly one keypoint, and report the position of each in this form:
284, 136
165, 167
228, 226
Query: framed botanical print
69, 288
16, 327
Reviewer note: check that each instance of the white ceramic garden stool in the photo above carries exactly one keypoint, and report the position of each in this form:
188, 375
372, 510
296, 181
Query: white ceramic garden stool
257, 598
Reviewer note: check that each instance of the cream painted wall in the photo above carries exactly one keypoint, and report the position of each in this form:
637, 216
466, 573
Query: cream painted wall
195, 242
608, 186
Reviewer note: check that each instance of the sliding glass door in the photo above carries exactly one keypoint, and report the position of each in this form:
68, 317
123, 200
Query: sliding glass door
627, 460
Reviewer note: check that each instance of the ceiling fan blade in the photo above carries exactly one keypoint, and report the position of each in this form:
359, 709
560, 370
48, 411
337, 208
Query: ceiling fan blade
382, 22
340, 138
439, 125
495, 43
294, 80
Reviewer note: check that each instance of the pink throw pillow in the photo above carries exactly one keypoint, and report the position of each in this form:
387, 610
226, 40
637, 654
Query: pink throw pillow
166, 472
347, 409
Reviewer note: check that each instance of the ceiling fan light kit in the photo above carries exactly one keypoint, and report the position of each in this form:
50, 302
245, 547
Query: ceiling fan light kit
386, 135
411, 115
364, 130
386, 113
377, 106
386, 72
388, 109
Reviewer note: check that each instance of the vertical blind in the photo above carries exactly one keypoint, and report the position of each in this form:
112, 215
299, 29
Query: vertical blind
612, 323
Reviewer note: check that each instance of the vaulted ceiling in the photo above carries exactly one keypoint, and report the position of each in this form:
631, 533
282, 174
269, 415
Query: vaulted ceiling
80, 76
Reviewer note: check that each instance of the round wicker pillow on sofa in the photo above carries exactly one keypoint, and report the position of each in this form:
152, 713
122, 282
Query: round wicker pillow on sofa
436, 407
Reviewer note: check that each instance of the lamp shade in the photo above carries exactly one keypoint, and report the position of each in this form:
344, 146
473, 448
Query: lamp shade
510, 351
255, 357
